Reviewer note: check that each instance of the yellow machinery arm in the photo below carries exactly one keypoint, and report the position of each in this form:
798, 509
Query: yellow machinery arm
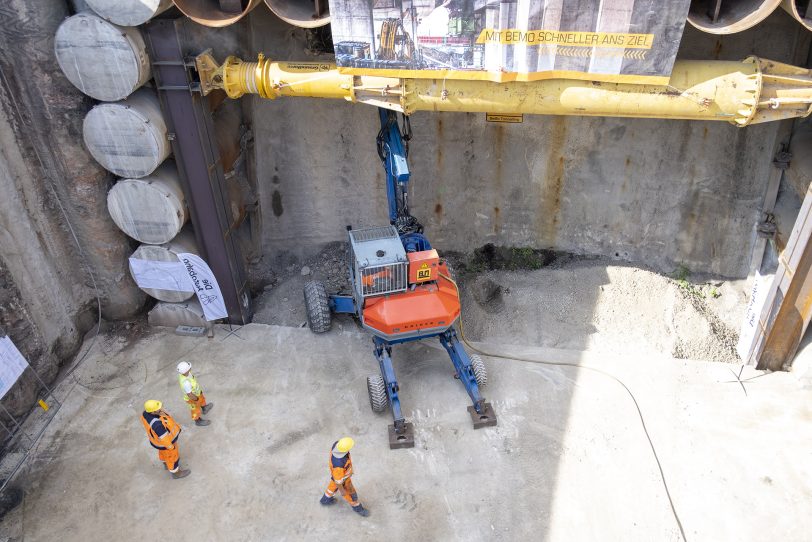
747, 92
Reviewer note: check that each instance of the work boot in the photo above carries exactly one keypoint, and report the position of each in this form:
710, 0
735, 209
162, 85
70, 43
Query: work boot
181, 473
206, 408
327, 500
201, 422
360, 510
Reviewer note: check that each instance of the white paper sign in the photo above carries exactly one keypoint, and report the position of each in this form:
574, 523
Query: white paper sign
749, 333
161, 275
205, 286
12, 365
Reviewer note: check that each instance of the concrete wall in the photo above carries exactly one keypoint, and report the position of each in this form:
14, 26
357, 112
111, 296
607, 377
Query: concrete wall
47, 298
666, 193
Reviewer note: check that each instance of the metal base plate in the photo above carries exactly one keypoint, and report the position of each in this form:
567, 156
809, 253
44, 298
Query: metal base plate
486, 419
401, 440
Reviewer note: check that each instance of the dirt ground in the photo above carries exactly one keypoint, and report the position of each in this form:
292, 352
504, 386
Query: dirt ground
540, 298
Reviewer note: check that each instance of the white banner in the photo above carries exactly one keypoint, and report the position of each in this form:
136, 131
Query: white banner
205, 286
751, 326
161, 275
12, 365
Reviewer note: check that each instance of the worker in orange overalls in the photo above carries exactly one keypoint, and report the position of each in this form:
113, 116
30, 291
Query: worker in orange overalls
193, 394
163, 433
340, 476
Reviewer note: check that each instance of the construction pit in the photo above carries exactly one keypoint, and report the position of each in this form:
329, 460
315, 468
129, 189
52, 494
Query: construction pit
582, 314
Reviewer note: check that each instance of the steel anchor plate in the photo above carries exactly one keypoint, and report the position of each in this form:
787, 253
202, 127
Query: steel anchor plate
404, 439
486, 418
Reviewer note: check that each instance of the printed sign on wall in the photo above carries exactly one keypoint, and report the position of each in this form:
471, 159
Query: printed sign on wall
205, 286
12, 365
633, 41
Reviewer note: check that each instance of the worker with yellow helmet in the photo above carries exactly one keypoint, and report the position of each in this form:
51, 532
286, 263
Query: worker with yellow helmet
340, 476
163, 433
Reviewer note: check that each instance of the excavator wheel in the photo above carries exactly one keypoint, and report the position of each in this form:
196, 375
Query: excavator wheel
378, 399
317, 304
480, 373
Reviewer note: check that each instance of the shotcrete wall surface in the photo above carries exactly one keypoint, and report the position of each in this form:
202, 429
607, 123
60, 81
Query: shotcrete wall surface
47, 300
667, 193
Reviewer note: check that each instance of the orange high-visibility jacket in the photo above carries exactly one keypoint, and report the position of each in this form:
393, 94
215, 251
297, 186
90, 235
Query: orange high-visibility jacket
340, 468
164, 441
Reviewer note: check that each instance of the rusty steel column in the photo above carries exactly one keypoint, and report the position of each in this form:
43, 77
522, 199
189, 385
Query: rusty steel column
194, 144
793, 296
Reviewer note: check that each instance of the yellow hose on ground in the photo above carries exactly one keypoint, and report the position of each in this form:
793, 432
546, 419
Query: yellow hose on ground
579, 366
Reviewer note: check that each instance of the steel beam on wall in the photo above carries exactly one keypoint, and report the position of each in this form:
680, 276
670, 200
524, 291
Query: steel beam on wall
188, 118
792, 303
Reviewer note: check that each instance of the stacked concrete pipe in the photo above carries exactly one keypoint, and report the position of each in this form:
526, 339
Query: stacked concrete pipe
800, 11
732, 15
127, 135
216, 13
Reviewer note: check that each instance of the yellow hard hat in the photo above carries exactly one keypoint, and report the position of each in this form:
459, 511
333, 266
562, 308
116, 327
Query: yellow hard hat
154, 406
345, 445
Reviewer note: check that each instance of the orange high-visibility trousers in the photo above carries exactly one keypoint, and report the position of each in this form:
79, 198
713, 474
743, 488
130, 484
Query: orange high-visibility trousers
170, 457
349, 493
196, 406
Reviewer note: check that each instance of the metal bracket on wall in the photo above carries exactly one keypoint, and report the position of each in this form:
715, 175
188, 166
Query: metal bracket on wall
188, 118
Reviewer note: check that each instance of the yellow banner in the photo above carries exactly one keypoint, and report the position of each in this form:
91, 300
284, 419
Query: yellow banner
572, 39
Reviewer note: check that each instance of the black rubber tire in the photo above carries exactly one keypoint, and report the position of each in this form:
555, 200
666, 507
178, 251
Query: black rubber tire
480, 373
317, 304
378, 399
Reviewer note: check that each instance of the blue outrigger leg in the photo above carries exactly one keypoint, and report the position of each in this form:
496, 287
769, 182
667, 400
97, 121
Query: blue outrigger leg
401, 432
482, 414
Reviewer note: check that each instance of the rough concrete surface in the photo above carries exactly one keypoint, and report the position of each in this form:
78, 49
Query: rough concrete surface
568, 460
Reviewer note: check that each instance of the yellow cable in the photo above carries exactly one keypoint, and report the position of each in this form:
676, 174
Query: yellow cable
580, 366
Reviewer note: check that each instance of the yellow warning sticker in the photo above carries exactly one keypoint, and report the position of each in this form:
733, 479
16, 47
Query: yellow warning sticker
423, 274
493, 117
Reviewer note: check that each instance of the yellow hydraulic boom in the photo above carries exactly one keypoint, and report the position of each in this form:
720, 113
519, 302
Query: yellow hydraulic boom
747, 92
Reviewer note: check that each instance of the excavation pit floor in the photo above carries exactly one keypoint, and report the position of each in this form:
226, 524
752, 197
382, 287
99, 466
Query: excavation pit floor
568, 460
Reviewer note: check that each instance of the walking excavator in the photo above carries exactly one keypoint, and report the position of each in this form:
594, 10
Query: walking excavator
401, 292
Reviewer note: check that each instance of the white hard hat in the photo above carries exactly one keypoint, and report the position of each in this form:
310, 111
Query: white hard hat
184, 367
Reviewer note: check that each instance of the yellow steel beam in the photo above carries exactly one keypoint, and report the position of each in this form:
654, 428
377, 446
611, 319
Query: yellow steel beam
747, 92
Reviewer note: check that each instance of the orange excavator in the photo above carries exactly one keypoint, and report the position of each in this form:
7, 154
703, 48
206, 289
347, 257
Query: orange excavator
401, 292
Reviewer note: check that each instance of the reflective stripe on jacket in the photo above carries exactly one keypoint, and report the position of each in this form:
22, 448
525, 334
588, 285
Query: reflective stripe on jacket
167, 437
193, 381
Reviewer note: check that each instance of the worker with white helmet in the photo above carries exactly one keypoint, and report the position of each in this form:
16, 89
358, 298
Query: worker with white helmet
193, 394
340, 476
163, 432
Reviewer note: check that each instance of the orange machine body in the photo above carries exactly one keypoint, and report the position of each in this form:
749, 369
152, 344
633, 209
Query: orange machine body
427, 307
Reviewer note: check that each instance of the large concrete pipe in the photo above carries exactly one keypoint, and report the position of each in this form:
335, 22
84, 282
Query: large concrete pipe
729, 16
128, 137
152, 209
216, 13
168, 252
186, 313
742, 93
128, 12
105, 61
302, 13
800, 10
